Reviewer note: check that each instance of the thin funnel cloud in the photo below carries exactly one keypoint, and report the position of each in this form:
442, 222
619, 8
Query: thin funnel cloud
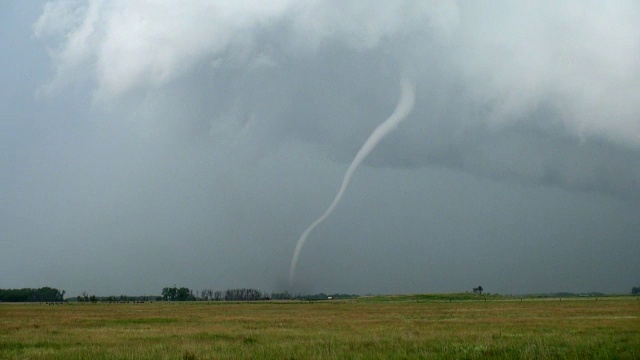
402, 110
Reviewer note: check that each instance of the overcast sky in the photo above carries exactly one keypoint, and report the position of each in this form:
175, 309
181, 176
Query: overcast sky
150, 143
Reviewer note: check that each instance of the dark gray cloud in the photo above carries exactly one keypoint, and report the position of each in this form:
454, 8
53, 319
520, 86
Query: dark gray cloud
148, 144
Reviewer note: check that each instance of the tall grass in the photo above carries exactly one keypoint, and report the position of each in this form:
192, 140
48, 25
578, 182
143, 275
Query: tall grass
397, 328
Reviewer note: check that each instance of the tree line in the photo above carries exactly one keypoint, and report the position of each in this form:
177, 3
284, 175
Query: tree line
44, 294
49, 294
239, 294
185, 294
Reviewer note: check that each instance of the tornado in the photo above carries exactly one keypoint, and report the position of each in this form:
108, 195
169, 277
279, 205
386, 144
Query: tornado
403, 108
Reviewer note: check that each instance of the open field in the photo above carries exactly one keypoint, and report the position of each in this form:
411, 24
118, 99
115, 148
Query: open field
381, 327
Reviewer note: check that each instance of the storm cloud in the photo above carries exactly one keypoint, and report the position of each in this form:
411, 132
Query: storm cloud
193, 142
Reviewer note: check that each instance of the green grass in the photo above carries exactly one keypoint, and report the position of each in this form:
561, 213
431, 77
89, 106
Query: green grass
398, 327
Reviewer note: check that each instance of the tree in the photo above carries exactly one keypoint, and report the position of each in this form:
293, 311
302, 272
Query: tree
635, 290
478, 290
170, 293
177, 294
184, 294
33, 295
242, 295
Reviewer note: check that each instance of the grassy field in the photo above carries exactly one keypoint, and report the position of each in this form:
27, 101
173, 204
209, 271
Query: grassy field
377, 327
